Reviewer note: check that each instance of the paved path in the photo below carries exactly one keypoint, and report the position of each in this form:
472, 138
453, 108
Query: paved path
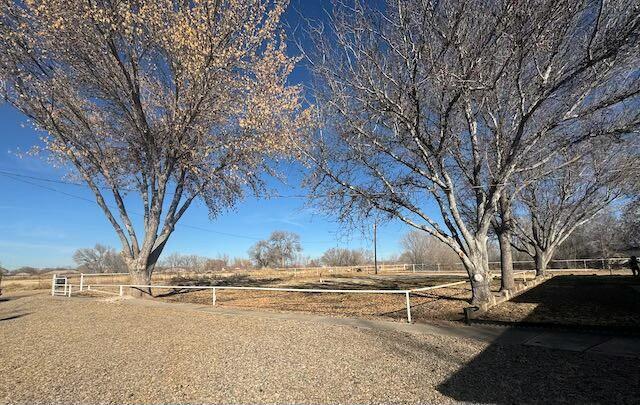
606, 344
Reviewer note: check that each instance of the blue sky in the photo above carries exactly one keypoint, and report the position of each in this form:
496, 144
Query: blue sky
42, 223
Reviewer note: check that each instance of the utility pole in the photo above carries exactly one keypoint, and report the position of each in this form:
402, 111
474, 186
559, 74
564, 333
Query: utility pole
375, 246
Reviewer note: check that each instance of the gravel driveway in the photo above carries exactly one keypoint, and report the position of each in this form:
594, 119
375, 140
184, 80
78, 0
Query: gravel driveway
58, 350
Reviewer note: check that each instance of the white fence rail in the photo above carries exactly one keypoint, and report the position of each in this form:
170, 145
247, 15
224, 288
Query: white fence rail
406, 292
573, 264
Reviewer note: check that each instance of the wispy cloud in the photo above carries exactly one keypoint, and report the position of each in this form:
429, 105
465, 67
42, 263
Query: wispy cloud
297, 218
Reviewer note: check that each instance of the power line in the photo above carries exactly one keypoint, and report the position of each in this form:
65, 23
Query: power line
84, 185
22, 180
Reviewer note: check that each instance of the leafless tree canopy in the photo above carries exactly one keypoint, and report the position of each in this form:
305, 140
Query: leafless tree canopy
444, 102
99, 259
345, 257
586, 181
422, 248
279, 250
170, 100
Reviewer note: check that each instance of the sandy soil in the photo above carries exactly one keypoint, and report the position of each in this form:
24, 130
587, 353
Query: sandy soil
60, 350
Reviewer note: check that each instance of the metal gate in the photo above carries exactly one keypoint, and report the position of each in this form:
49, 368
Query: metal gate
60, 286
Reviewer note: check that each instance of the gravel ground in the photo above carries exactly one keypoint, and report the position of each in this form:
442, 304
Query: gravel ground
57, 350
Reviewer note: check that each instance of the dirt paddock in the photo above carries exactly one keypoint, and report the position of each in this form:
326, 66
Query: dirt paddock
442, 304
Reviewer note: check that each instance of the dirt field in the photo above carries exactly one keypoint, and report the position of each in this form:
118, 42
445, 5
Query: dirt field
445, 304
60, 350
607, 301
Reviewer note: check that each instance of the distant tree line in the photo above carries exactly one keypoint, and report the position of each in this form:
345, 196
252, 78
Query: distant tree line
612, 232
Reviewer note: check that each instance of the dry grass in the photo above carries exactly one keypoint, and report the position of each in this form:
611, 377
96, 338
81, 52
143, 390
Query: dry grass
445, 304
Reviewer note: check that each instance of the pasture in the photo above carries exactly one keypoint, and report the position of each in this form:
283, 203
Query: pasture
337, 292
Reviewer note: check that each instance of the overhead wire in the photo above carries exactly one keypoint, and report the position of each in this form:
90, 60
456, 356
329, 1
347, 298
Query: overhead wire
27, 180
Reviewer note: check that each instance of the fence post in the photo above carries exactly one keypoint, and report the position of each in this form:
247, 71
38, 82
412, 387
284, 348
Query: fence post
214, 297
81, 281
585, 263
408, 307
121, 291
69, 290
414, 268
53, 285
438, 266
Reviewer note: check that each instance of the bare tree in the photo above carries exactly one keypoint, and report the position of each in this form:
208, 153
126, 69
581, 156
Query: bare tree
279, 250
630, 224
443, 102
602, 236
99, 259
260, 254
220, 263
345, 257
168, 100
558, 204
173, 261
178, 261
420, 247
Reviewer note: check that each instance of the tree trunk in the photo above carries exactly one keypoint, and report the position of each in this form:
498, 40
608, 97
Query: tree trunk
480, 289
541, 263
480, 276
507, 281
504, 232
140, 271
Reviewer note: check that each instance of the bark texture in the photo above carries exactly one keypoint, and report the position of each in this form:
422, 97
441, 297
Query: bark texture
507, 281
541, 259
140, 271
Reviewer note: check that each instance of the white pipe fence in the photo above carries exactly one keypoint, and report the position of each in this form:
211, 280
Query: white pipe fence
406, 292
556, 264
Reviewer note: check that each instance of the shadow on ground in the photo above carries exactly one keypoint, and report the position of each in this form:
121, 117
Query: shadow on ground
611, 302
8, 318
211, 281
379, 282
507, 373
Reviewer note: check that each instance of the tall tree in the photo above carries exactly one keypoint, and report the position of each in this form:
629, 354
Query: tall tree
165, 99
630, 224
442, 102
421, 248
344, 257
278, 251
557, 205
99, 259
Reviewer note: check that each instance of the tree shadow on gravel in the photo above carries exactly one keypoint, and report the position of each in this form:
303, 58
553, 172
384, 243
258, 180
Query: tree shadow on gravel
610, 302
235, 280
8, 318
376, 283
435, 297
508, 374
511, 372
